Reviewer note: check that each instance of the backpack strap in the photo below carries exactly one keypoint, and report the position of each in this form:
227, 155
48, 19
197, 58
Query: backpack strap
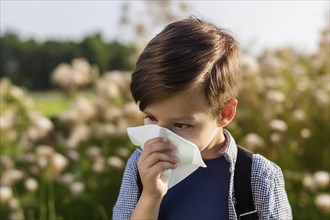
242, 184
139, 183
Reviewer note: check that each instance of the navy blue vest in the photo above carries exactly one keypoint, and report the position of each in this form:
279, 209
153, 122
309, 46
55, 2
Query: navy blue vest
202, 195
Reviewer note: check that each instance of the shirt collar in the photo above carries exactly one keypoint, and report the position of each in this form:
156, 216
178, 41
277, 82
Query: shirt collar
229, 151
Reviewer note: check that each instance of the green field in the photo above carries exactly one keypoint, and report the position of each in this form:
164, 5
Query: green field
51, 103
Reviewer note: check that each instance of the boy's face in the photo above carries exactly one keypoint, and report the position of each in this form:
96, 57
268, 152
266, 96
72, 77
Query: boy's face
185, 113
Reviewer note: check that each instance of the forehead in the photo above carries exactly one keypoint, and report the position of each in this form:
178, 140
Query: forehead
187, 103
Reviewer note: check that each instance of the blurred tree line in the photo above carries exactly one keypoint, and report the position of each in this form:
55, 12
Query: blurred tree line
29, 63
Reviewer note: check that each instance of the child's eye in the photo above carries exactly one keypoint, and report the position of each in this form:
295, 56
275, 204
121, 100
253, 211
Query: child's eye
181, 126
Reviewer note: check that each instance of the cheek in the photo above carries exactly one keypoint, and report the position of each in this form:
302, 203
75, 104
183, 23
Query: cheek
198, 138
203, 137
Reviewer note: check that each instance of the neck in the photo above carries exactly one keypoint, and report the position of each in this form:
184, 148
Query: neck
211, 151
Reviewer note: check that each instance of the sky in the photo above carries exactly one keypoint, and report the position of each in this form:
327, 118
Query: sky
256, 24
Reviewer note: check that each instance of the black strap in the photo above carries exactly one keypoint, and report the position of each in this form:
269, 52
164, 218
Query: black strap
139, 182
242, 184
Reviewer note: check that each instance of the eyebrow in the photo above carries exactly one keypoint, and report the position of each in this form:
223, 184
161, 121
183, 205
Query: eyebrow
179, 118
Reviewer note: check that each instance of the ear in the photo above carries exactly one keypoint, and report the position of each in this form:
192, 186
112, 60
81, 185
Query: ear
228, 113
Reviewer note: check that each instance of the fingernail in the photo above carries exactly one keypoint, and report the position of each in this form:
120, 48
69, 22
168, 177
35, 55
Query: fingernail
165, 140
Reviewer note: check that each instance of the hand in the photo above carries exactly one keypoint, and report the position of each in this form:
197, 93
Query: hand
153, 160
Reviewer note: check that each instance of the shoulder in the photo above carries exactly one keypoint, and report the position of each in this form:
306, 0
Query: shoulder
129, 192
266, 176
261, 166
268, 189
134, 156
131, 166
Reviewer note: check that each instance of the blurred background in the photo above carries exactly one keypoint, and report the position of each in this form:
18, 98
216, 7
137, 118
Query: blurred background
66, 104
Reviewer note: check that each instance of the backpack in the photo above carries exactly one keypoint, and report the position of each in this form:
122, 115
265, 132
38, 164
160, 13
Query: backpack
242, 184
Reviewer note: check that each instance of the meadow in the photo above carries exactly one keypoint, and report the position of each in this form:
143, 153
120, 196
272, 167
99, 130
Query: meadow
63, 152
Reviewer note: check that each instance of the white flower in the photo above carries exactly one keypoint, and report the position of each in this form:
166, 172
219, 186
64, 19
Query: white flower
62, 76
321, 98
278, 125
28, 157
7, 121
35, 170
43, 123
305, 133
303, 84
122, 125
299, 115
44, 151
80, 73
272, 82
59, 162
132, 112
17, 93
5, 86
253, 141
15, 216
13, 204
98, 165
322, 201
42, 162
73, 155
80, 133
93, 152
40, 128
44, 154
123, 152
5, 194
275, 96
33, 134
113, 114
31, 184
6, 162
309, 182
322, 179
107, 89
112, 84
106, 130
84, 109
119, 78
66, 178
276, 137
115, 162
77, 188
12, 176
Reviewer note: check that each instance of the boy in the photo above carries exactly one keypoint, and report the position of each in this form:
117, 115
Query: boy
186, 80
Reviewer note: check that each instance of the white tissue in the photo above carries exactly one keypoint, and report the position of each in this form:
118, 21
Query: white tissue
188, 153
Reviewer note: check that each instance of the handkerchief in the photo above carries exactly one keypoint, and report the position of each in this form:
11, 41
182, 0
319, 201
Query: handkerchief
188, 153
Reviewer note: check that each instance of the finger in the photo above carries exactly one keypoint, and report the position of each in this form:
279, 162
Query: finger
154, 145
161, 166
155, 171
156, 157
158, 144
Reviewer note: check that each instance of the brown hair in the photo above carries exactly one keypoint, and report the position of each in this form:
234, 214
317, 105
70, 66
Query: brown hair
186, 53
